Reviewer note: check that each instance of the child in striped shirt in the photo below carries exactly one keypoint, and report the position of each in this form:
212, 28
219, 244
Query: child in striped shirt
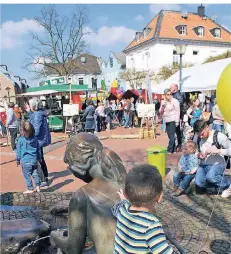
138, 230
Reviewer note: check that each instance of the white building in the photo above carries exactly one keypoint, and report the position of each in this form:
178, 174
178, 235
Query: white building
154, 47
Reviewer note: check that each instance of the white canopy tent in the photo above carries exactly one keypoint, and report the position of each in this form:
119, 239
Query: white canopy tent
196, 78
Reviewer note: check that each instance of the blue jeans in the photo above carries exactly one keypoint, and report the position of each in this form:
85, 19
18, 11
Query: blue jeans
181, 180
218, 127
208, 176
127, 120
29, 170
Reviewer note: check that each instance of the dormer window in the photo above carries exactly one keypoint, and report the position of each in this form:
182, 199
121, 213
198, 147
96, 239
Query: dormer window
182, 29
138, 35
200, 30
216, 32
146, 31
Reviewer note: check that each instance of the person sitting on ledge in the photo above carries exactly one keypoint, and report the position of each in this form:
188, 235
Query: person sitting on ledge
138, 230
213, 146
187, 168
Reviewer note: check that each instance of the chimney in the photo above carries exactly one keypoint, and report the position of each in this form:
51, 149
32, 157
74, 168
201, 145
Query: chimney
201, 10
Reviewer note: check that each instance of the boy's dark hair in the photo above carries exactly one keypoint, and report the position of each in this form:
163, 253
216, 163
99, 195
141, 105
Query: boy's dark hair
199, 125
27, 130
143, 185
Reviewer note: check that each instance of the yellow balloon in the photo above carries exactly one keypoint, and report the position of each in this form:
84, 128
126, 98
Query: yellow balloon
224, 93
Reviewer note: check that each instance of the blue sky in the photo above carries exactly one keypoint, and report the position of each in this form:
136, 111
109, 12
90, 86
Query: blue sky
113, 26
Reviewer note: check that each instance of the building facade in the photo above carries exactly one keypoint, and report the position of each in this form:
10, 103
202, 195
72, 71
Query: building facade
154, 47
87, 72
112, 68
11, 86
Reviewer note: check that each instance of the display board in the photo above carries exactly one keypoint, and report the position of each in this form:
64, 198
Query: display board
70, 109
146, 110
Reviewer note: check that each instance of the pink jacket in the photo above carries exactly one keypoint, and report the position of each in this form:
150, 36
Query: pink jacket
171, 112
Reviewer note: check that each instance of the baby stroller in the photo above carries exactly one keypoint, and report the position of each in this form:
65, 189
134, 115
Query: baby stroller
78, 125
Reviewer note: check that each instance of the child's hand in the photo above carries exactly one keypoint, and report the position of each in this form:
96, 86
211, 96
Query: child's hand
121, 194
202, 156
193, 171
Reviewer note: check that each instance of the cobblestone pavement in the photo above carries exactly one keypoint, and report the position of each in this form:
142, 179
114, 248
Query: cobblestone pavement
184, 218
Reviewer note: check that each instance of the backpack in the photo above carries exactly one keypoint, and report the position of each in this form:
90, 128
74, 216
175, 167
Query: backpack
218, 146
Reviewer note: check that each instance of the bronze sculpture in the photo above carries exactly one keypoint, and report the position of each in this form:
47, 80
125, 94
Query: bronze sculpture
89, 212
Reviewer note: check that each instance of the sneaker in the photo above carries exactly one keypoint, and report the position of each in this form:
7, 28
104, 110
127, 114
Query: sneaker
226, 193
44, 184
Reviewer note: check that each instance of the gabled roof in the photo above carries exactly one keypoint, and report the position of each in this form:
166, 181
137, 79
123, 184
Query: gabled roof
91, 66
163, 26
121, 58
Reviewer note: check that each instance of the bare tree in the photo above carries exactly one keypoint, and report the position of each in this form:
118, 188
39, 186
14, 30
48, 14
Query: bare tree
54, 50
133, 77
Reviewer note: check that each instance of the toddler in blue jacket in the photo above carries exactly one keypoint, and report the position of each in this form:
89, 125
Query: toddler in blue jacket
28, 154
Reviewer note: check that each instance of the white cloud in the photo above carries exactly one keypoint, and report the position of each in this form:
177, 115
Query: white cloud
12, 32
155, 8
107, 36
103, 18
139, 18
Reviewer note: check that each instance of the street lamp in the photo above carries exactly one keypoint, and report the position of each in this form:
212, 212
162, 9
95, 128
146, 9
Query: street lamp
8, 92
180, 50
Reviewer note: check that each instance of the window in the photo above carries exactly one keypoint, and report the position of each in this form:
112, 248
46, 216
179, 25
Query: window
80, 81
217, 32
182, 29
94, 83
200, 31
176, 59
195, 52
111, 61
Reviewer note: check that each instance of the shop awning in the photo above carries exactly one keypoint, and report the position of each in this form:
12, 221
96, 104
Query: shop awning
59, 88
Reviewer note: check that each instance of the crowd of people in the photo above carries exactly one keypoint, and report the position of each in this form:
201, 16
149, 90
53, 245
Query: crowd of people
206, 140
99, 117
196, 128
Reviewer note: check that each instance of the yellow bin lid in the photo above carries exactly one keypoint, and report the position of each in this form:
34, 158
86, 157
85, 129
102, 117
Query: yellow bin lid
156, 150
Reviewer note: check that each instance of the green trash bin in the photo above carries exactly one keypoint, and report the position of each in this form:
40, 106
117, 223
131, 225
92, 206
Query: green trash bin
157, 157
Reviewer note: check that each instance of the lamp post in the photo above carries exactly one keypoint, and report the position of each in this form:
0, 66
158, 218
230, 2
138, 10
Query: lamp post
180, 50
8, 92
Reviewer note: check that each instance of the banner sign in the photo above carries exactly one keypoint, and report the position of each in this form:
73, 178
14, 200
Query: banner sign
70, 109
55, 81
146, 110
